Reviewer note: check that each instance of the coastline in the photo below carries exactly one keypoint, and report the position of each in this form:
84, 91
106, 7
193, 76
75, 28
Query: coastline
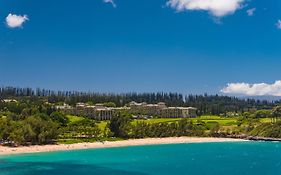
133, 142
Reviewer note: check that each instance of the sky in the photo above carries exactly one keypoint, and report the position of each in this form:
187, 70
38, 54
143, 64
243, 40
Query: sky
187, 46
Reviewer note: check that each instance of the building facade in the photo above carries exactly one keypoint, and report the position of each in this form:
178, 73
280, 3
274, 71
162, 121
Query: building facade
179, 112
100, 112
161, 110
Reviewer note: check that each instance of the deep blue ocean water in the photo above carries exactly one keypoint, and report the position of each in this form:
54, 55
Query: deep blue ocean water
241, 158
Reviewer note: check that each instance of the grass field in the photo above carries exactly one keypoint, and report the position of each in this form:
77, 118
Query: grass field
73, 119
102, 124
266, 120
157, 120
205, 119
209, 120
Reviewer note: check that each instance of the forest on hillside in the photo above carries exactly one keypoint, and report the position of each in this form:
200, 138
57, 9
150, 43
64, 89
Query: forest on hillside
206, 104
30, 117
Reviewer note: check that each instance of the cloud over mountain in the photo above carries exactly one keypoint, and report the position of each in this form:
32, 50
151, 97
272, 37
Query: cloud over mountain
258, 89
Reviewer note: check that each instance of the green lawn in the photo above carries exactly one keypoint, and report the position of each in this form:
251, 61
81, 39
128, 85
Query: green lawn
266, 120
73, 118
157, 120
217, 119
102, 124
206, 119
209, 120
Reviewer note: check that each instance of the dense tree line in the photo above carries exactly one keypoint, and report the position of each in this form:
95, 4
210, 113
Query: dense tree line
33, 120
249, 124
121, 126
85, 128
32, 130
217, 105
184, 127
206, 104
271, 130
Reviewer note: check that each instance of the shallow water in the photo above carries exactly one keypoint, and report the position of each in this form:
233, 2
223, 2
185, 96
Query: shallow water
241, 158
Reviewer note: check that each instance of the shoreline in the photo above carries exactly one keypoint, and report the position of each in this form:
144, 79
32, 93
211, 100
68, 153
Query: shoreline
125, 143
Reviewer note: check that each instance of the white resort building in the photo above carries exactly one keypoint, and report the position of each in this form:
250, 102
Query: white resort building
100, 112
161, 110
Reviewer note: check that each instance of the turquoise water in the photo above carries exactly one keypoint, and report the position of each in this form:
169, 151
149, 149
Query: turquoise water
243, 158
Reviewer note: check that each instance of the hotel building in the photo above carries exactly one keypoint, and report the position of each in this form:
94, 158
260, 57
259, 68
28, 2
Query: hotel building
100, 112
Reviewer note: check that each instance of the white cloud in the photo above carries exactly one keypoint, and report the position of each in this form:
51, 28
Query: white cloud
217, 8
251, 12
14, 21
258, 89
278, 24
111, 2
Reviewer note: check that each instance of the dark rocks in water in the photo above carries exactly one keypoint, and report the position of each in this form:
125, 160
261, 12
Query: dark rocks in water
263, 139
255, 138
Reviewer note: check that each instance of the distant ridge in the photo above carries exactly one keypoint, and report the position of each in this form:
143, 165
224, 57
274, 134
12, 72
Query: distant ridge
265, 97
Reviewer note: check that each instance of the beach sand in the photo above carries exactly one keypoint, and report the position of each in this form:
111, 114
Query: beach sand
133, 142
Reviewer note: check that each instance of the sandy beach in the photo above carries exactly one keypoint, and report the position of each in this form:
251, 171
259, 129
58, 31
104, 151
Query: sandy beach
135, 142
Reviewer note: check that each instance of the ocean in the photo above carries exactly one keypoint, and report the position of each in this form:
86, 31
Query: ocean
239, 158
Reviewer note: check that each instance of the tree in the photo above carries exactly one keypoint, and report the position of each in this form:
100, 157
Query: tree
110, 104
262, 113
16, 136
4, 128
59, 118
40, 131
81, 129
215, 129
183, 127
276, 113
140, 130
119, 125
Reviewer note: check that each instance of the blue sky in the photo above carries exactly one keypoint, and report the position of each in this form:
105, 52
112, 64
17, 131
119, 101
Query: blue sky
142, 46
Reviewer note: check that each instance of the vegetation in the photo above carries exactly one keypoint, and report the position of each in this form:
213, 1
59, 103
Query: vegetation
32, 130
206, 104
85, 128
271, 130
29, 117
120, 125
